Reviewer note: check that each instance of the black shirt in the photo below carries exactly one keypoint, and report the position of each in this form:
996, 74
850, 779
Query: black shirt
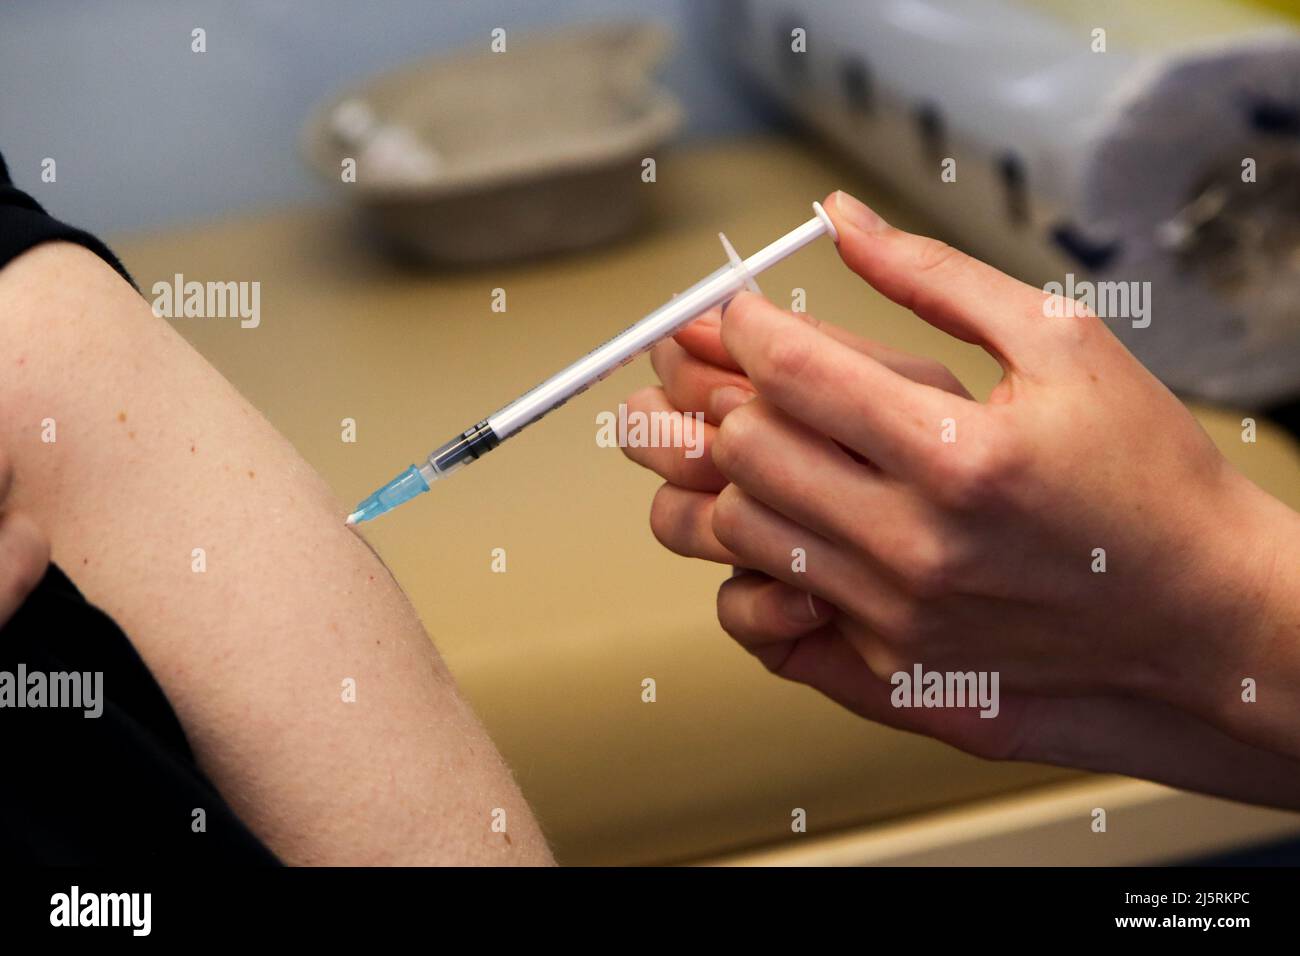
122, 787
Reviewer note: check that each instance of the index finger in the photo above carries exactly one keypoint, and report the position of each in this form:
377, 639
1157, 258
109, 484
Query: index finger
877, 412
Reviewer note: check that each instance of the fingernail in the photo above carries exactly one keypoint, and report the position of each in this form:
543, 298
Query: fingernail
723, 400
858, 214
803, 608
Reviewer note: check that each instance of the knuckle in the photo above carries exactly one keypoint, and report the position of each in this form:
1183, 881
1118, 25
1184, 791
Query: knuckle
734, 441
963, 485
1059, 304
1074, 329
934, 255
976, 474
728, 518
663, 520
786, 357
678, 469
949, 474
927, 573
1070, 322
778, 660
725, 604
882, 660
731, 615
904, 625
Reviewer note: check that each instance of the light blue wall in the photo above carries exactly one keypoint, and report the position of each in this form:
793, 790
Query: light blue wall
146, 132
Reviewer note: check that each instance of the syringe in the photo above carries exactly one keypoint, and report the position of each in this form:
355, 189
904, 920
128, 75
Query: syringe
479, 439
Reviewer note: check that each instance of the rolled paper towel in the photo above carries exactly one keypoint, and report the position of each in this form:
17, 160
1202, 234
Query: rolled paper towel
1144, 156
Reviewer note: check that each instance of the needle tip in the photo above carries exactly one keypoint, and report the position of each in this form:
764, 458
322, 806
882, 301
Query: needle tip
351, 519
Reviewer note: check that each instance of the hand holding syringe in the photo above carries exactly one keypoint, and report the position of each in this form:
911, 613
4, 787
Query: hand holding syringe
474, 442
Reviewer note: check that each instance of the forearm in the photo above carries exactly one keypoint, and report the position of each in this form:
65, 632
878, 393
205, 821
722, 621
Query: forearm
180, 511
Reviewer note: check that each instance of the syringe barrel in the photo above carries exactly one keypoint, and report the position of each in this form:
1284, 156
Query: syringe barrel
712, 290
600, 362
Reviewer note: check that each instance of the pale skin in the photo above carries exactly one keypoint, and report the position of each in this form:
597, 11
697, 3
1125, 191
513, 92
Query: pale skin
979, 552
157, 455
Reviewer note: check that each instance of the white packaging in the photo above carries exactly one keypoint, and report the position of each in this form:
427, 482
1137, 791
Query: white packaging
1078, 165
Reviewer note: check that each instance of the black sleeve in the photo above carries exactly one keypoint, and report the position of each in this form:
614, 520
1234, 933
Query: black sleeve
23, 224
119, 787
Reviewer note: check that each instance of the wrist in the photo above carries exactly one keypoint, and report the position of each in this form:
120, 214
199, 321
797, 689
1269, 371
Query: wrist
1244, 621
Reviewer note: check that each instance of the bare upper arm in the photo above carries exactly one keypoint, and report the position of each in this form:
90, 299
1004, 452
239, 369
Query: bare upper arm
155, 457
